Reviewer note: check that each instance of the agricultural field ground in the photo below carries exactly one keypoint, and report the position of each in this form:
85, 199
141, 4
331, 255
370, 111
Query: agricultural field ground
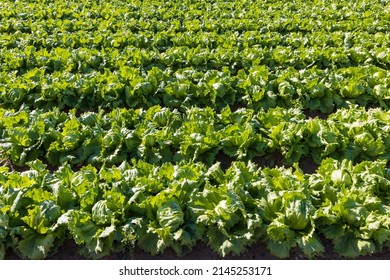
195, 129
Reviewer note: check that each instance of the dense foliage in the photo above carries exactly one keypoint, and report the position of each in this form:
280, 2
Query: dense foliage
176, 205
168, 123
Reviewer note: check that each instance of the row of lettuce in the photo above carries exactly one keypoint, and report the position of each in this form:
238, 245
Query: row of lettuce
179, 205
158, 135
129, 86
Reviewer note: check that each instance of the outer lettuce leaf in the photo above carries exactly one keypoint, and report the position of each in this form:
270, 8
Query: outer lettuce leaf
42, 216
35, 246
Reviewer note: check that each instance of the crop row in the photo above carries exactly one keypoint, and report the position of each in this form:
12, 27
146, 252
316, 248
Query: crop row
178, 205
278, 54
122, 21
258, 87
159, 135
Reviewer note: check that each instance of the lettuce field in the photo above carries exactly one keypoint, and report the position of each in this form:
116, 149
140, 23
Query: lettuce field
168, 125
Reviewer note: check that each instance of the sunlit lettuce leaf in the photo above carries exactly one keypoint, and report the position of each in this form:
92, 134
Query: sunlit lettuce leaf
42, 216
36, 246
